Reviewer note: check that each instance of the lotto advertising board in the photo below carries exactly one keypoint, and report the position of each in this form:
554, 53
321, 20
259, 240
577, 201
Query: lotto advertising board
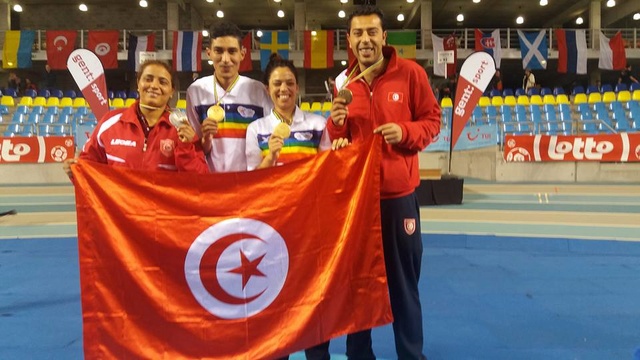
622, 147
36, 149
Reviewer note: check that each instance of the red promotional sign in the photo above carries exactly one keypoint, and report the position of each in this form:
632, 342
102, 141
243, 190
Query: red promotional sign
87, 71
36, 149
475, 75
621, 147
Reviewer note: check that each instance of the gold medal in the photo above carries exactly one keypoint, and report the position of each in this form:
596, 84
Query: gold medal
346, 94
216, 112
282, 130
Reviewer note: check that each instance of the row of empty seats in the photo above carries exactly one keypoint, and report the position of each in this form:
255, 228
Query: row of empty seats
559, 90
47, 93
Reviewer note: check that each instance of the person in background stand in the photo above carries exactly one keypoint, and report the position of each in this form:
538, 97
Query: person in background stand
49, 79
390, 98
146, 139
626, 76
529, 80
222, 105
496, 82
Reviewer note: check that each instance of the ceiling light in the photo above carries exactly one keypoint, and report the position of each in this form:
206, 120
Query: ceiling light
636, 16
341, 14
205, 33
400, 17
476, 1
209, 1
314, 33
460, 18
344, 1
611, 3
280, 13
343, 63
83, 7
143, 3
579, 20
220, 13
544, 2
17, 8
277, 1
519, 20
210, 62
410, 1
259, 33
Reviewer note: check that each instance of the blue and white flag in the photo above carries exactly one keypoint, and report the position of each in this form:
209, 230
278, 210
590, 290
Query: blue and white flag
187, 51
534, 49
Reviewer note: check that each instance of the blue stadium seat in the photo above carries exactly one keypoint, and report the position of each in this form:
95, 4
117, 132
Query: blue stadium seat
606, 88
634, 117
492, 114
545, 91
13, 129
110, 94
121, 94
602, 114
495, 92
10, 92
30, 93
446, 117
620, 117
550, 119
133, 94
56, 93
588, 123
507, 92
533, 91
520, 92
621, 87
19, 118
634, 87
37, 109
476, 117
44, 93
34, 118
70, 94
592, 89
4, 109
558, 90
577, 90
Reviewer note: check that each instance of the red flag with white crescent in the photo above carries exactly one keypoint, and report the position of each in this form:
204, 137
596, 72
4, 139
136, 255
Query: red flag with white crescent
87, 71
476, 73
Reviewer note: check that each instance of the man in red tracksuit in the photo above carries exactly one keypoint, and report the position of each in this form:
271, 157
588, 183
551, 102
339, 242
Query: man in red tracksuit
391, 99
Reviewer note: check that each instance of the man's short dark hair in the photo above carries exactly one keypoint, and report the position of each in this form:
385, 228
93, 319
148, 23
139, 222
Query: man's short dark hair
226, 29
364, 11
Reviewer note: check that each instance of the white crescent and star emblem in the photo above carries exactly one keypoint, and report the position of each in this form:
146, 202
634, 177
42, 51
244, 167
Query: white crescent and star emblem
102, 49
237, 267
60, 38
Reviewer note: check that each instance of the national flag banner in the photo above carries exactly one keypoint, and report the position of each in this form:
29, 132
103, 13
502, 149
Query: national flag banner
104, 43
440, 45
247, 63
404, 42
271, 42
172, 267
18, 48
533, 49
60, 43
612, 53
475, 75
88, 73
489, 43
572, 51
139, 44
318, 49
187, 51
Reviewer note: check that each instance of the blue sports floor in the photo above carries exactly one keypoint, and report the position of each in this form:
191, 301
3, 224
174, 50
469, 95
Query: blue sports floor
533, 271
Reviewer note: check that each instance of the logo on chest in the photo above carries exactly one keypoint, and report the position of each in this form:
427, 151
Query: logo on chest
395, 97
166, 147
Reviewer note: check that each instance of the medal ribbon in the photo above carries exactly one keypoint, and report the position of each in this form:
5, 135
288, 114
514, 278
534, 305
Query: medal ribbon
215, 89
349, 79
282, 118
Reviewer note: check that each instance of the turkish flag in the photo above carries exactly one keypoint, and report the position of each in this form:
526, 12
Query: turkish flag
60, 43
240, 265
104, 43
247, 63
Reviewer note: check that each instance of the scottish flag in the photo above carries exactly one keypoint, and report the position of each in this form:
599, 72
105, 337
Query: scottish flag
534, 49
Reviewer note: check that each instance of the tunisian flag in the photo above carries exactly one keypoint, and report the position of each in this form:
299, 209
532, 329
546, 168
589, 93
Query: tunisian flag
260, 265
59, 45
104, 43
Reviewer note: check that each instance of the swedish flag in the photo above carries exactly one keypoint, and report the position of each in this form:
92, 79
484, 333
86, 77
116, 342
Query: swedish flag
273, 41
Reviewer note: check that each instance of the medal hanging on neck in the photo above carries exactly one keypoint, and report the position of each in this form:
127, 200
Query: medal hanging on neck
145, 127
216, 112
283, 129
345, 93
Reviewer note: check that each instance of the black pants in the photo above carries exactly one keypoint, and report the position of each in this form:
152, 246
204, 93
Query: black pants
318, 352
402, 244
